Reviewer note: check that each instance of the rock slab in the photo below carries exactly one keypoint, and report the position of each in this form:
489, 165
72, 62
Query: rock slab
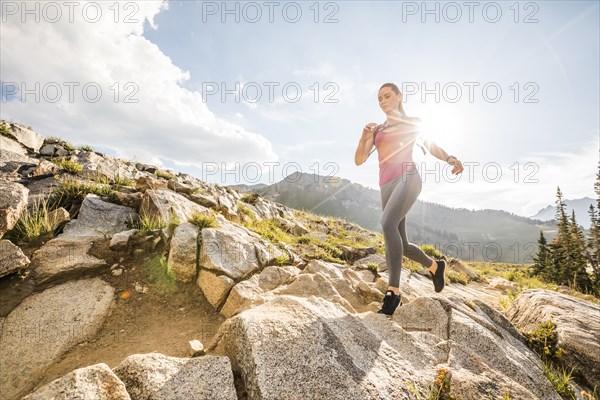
45, 326
160, 377
96, 382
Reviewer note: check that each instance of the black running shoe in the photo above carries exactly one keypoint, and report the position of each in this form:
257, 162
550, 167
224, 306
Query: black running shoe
390, 302
439, 276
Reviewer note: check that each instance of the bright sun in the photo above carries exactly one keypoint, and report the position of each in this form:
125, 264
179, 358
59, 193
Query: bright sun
442, 124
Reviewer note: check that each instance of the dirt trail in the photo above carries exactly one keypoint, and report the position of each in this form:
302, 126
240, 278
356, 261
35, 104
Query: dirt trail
138, 323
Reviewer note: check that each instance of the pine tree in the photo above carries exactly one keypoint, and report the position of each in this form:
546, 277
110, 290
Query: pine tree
578, 258
565, 260
553, 273
561, 250
597, 188
561, 215
593, 242
543, 258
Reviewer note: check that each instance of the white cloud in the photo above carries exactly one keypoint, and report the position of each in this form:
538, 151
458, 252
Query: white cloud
250, 104
324, 70
271, 113
320, 89
168, 122
308, 145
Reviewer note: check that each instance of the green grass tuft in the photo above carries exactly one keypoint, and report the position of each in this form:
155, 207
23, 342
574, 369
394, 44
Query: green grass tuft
72, 167
304, 239
172, 223
33, 224
72, 190
250, 198
505, 302
203, 220
115, 181
282, 260
411, 265
148, 223
157, 273
5, 131
457, 277
118, 180
431, 251
372, 267
164, 174
269, 229
560, 378
68, 146
245, 211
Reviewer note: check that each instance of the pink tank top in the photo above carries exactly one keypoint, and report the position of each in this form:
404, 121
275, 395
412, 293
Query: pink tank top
398, 142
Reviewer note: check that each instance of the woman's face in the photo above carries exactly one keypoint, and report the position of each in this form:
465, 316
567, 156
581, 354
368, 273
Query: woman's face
388, 99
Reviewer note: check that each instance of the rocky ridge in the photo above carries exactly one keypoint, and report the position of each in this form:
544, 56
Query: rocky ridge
299, 313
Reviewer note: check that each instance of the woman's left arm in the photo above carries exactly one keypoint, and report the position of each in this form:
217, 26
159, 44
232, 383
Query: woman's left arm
441, 154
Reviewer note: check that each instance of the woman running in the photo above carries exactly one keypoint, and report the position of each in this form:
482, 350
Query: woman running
400, 185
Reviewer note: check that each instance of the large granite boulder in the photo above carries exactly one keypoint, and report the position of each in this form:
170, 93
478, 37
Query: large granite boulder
11, 258
99, 218
11, 146
96, 382
65, 257
45, 325
182, 261
95, 165
215, 287
577, 327
229, 251
13, 200
299, 348
256, 290
159, 377
165, 203
26, 137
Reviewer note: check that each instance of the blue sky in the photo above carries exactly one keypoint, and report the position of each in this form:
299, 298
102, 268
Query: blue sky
177, 48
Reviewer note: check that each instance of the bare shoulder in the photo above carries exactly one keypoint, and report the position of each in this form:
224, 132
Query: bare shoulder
414, 120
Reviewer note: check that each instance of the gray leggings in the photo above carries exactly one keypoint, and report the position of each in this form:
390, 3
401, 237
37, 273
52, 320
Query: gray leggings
397, 197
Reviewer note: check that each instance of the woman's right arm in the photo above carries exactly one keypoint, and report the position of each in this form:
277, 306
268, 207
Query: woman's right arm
365, 144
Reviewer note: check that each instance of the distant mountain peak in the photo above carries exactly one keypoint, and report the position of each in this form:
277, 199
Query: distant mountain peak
580, 206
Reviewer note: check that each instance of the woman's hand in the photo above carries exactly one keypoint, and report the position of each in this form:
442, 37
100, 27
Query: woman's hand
457, 165
368, 130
